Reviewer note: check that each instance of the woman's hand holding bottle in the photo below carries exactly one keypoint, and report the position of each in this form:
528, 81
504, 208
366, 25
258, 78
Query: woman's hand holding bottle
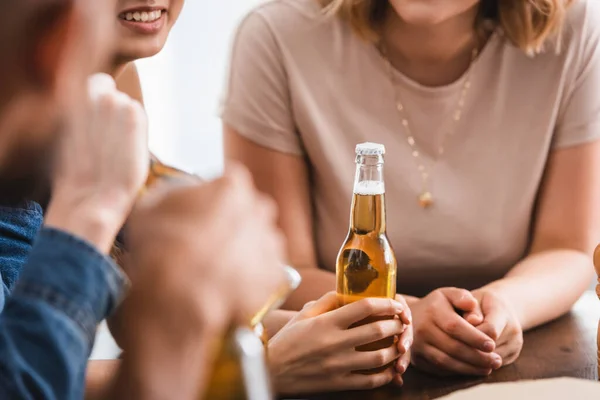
315, 352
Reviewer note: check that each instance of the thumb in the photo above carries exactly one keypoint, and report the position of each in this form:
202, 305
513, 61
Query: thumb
313, 309
461, 299
467, 304
474, 317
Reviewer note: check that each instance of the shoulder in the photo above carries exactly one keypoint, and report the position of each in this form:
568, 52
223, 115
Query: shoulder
288, 22
288, 11
582, 27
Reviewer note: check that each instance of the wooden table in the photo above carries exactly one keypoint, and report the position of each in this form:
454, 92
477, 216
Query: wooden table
566, 347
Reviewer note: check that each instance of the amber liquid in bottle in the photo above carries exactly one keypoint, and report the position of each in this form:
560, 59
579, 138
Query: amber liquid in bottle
228, 379
366, 264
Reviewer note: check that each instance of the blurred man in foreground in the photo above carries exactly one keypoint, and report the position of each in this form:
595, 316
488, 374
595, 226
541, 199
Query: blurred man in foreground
90, 142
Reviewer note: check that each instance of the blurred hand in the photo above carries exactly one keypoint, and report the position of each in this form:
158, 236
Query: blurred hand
445, 342
102, 163
315, 352
204, 256
501, 324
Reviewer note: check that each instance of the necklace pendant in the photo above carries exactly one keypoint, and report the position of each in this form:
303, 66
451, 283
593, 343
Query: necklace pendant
426, 200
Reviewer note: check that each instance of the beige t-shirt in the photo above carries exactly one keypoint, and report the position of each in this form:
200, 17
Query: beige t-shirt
306, 85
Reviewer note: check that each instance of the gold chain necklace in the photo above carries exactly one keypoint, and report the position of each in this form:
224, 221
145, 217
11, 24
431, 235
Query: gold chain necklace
426, 197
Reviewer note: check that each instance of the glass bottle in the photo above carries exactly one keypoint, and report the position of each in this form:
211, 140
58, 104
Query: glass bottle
240, 370
227, 381
366, 264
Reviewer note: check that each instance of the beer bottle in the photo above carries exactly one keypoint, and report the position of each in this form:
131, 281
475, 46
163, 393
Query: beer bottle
232, 378
366, 264
240, 370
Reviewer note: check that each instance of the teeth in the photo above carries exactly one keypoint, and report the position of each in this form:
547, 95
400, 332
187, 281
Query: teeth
143, 16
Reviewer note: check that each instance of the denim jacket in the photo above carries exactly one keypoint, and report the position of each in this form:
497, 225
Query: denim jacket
18, 228
48, 324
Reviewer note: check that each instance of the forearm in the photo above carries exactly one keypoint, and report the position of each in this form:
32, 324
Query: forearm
545, 285
315, 283
65, 289
99, 379
18, 227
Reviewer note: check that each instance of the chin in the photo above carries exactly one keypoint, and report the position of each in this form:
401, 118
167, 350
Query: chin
419, 15
430, 12
140, 49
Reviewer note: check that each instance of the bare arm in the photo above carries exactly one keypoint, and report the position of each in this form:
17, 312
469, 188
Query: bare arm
285, 178
101, 373
558, 270
99, 378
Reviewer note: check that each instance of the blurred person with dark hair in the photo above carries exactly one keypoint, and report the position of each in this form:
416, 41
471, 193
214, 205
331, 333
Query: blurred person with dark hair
87, 142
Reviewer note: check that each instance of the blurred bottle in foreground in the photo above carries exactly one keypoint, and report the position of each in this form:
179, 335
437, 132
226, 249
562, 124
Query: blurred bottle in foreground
230, 380
240, 370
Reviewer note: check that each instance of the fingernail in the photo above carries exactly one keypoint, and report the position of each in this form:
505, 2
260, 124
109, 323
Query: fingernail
398, 306
497, 361
489, 346
401, 368
406, 345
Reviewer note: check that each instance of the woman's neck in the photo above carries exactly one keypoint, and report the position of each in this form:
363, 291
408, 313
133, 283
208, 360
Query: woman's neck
115, 68
432, 55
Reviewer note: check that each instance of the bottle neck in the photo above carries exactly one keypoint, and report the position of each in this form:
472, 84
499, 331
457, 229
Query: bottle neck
368, 203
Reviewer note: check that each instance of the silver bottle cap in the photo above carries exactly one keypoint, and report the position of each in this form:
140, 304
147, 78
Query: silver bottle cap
370, 149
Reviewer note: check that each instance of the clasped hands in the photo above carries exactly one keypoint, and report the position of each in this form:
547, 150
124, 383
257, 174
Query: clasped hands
465, 333
455, 332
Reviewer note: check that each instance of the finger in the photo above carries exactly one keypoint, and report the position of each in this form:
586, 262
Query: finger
509, 353
444, 362
238, 176
461, 299
495, 318
456, 327
325, 304
365, 382
358, 311
372, 332
475, 318
405, 340
398, 380
100, 83
402, 363
366, 360
462, 352
406, 315
266, 208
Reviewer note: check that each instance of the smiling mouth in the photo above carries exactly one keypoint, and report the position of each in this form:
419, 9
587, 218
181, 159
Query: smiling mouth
142, 16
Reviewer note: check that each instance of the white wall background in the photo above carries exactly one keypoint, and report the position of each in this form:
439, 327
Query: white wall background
183, 84
182, 88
